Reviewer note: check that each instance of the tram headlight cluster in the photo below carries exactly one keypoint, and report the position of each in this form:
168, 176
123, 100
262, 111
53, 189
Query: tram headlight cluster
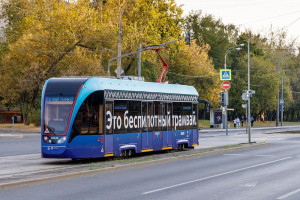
61, 140
47, 139
55, 140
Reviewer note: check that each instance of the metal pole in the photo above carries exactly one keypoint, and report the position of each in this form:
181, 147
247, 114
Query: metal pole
13, 128
249, 124
226, 118
246, 119
140, 60
282, 99
119, 47
277, 111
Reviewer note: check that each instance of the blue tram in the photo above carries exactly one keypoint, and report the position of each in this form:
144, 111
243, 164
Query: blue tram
88, 117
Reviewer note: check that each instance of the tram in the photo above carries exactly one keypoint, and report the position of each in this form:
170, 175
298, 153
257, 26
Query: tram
90, 117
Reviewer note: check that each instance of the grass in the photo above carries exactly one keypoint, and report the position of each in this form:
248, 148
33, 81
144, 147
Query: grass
231, 146
19, 126
206, 123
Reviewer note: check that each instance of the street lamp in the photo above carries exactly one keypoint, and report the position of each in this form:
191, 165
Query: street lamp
277, 112
122, 9
227, 51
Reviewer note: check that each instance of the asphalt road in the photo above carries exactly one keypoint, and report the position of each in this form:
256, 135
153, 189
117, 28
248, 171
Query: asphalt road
269, 172
30, 143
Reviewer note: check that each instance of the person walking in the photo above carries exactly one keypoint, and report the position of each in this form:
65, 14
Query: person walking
234, 123
237, 122
252, 120
242, 120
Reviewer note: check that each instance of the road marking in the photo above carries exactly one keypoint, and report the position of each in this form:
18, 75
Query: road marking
217, 175
232, 154
265, 155
289, 194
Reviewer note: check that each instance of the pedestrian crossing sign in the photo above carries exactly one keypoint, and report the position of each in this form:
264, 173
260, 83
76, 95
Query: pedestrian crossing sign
225, 74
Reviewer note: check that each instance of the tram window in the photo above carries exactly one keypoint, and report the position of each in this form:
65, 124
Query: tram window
150, 114
177, 111
144, 117
157, 109
120, 107
186, 115
89, 117
109, 114
133, 116
195, 115
164, 117
169, 116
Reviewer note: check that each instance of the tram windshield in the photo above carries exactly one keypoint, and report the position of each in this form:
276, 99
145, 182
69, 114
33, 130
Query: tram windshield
57, 113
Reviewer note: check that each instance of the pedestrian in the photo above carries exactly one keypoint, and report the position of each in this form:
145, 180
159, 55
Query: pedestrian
242, 120
252, 120
234, 122
237, 122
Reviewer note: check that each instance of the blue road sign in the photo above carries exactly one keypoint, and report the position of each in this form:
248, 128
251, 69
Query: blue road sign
281, 102
225, 74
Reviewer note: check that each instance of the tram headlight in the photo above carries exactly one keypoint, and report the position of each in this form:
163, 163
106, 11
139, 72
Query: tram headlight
47, 139
61, 140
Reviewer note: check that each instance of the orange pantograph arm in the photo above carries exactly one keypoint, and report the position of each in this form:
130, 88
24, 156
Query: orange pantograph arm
165, 66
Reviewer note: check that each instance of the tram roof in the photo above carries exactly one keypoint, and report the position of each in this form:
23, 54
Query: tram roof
102, 83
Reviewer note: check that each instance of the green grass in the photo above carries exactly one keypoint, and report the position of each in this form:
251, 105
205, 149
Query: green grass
206, 123
231, 146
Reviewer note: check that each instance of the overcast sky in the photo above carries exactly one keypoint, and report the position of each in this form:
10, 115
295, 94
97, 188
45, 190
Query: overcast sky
254, 14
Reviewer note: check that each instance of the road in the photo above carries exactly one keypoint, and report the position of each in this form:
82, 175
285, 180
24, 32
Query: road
268, 172
30, 143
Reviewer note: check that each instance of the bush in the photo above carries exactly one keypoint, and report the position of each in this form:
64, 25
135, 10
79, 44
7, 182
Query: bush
35, 117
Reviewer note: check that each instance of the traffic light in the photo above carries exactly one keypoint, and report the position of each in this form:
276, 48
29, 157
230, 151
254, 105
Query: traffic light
221, 97
226, 99
188, 38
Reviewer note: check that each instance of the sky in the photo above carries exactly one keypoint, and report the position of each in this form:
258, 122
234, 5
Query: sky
254, 14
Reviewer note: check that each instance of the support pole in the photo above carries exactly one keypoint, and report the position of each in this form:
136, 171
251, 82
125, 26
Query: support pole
282, 99
140, 60
13, 128
249, 124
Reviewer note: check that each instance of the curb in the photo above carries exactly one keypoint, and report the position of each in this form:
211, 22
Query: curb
198, 153
11, 136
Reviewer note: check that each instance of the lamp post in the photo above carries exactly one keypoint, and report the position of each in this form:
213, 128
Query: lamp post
227, 51
277, 111
120, 38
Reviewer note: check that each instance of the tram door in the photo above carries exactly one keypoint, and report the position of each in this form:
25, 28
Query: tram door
169, 123
157, 130
164, 123
108, 138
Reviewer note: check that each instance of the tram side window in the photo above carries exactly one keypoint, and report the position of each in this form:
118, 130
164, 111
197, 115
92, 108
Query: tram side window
186, 118
177, 113
195, 115
109, 118
169, 117
120, 107
144, 117
150, 113
87, 118
133, 116
164, 115
157, 109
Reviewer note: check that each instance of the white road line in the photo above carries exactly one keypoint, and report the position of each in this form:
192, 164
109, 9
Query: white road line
217, 175
289, 194
232, 154
265, 155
